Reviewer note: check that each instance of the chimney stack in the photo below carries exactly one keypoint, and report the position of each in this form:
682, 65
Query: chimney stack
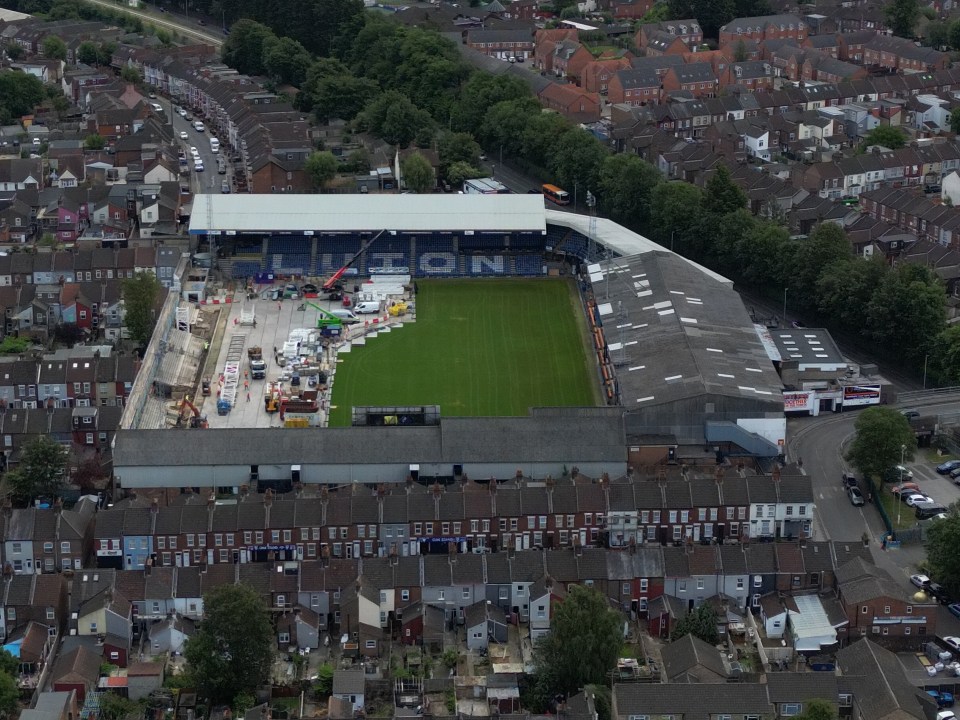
244, 490
268, 497
211, 501
154, 504
776, 473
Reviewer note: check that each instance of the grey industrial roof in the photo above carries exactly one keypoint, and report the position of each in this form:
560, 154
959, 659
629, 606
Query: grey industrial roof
355, 213
675, 331
806, 346
596, 436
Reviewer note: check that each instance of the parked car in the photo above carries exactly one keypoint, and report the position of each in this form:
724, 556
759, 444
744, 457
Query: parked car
921, 581
952, 642
942, 697
954, 609
849, 480
902, 470
948, 467
856, 497
910, 414
954, 474
938, 591
905, 488
892, 475
183, 135
913, 500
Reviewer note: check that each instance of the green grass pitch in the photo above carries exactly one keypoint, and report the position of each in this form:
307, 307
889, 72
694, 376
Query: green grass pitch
478, 347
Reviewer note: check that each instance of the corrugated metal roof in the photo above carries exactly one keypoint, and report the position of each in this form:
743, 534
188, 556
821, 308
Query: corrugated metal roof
356, 213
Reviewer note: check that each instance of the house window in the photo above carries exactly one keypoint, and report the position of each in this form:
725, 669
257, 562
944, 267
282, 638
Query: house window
504, 593
93, 627
51, 614
757, 580
790, 709
284, 637
65, 546
405, 595
699, 583
17, 547
48, 547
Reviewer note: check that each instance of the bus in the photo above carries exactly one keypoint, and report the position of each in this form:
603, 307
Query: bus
484, 186
556, 195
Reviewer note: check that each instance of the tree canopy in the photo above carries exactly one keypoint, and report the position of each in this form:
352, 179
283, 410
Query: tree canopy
943, 560
417, 173
817, 709
232, 650
322, 167
582, 645
889, 136
701, 623
902, 17
40, 472
140, 294
881, 432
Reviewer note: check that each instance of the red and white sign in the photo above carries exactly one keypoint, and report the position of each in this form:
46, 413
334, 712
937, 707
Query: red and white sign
798, 401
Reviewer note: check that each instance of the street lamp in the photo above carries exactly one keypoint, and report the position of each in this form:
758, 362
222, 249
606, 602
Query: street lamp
785, 306
925, 358
903, 449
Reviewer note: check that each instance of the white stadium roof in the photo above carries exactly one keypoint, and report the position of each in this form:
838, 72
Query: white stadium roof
243, 213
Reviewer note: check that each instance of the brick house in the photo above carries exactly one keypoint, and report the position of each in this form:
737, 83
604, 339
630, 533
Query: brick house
596, 75
758, 29
635, 87
545, 43
575, 104
569, 59
754, 75
502, 43
698, 79
900, 54
688, 31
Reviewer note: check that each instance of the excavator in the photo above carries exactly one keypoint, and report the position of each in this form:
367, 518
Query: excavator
189, 410
328, 324
333, 284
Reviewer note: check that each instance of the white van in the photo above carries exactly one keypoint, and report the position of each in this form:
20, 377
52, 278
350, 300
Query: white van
214, 145
367, 307
198, 126
344, 314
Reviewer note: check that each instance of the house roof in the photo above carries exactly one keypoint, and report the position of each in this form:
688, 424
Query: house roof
348, 682
686, 653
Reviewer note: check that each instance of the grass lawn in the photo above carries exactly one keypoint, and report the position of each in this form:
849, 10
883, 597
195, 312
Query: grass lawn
891, 503
478, 347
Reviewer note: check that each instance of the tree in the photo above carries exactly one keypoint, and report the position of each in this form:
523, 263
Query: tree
323, 685
164, 36
244, 47
9, 695
907, 311
417, 173
285, 60
880, 433
343, 96
701, 623
40, 472
94, 142
131, 75
20, 92
954, 34
504, 124
945, 356
232, 650
845, 288
481, 92
740, 53
721, 195
676, 214
827, 245
902, 16
457, 147
140, 295
760, 253
625, 187
14, 52
943, 560
582, 645
817, 709
322, 167
11, 345
54, 48
576, 159
937, 34
117, 707
87, 53
889, 136
955, 118
393, 117
460, 171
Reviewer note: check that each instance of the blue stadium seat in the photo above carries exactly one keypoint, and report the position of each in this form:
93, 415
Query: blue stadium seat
436, 256
531, 264
245, 269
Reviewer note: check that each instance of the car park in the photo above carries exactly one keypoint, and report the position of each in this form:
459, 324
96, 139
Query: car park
948, 467
916, 498
921, 581
856, 497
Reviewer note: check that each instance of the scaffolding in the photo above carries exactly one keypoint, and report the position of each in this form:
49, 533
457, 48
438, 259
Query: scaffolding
231, 369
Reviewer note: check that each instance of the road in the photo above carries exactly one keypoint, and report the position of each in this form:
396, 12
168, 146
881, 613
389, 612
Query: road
820, 442
182, 25
209, 180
